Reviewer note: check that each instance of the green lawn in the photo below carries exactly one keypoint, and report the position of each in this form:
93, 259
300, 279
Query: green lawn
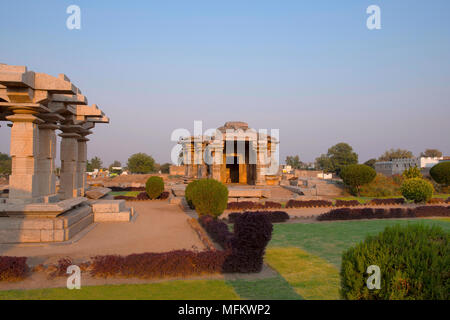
329, 239
312, 277
168, 290
125, 193
276, 288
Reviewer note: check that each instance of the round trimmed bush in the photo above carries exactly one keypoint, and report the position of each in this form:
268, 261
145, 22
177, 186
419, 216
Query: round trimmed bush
417, 190
154, 187
209, 197
414, 263
188, 193
441, 173
356, 175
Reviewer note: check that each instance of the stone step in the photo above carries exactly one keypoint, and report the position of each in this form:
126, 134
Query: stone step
124, 216
108, 206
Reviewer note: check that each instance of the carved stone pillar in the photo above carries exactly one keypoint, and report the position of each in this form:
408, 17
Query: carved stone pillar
68, 186
81, 165
46, 160
24, 150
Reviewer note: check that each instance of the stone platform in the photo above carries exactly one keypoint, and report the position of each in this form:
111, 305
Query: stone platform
45, 228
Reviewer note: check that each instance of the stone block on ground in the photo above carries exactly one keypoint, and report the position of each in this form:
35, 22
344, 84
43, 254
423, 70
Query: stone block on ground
108, 206
97, 192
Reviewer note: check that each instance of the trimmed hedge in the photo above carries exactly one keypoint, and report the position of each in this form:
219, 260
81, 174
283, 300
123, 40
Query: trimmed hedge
384, 213
252, 233
414, 264
356, 175
347, 203
188, 193
118, 189
441, 173
308, 203
393, 201
417, 190
159, 265
272, 216
246, 246
154, 187
13, 268
250, 205
210, 197
143, 196
217, 230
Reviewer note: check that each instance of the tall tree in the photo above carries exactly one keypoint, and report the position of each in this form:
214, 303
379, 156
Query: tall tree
393, 154
324, 163
371, 163
94, 163
339, 155
294, 162
433, 153
141, 163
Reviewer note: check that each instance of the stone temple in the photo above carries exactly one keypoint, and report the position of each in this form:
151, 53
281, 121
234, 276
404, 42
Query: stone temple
36, 105
233, 154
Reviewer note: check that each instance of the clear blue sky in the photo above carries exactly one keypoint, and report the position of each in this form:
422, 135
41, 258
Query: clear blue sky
309, 68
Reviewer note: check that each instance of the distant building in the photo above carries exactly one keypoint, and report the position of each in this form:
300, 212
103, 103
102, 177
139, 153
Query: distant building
397, 166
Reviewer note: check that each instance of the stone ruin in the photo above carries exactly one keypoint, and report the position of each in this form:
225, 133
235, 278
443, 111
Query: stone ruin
37, 105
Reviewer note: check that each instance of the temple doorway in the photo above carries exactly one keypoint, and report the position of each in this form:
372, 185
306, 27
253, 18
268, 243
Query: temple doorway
233, 168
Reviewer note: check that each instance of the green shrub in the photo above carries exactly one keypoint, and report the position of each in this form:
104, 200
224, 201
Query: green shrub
417, 190
356, 175
412, 172
441, 173
188, 193
154, 187
210, 197
414, 262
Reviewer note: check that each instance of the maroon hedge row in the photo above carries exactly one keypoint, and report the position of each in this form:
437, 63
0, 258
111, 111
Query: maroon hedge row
13, 268
244, 252
393, 201
272, 216
117, 189
308, 203
142, 196
246, 246
250, 205
347, 203
159, 265
385, 213
217, 230
252, 233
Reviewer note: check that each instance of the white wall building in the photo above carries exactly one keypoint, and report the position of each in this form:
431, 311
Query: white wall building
397, 166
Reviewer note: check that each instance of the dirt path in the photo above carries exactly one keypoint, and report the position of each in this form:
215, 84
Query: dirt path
159, 227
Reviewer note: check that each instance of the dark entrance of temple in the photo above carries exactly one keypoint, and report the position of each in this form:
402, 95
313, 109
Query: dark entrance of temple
233, 167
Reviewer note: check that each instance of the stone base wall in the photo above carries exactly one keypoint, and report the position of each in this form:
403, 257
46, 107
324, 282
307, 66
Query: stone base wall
35, 229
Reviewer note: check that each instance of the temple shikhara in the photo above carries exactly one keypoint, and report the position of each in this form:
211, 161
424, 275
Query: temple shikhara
37, 105
235, 153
